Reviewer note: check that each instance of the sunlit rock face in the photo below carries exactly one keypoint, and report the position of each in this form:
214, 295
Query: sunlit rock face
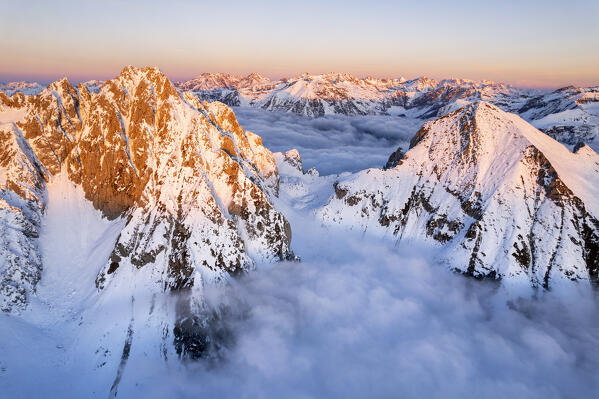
506, 200
193, 187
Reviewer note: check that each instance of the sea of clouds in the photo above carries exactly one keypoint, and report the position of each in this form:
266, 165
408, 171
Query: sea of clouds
333, 144
359, 317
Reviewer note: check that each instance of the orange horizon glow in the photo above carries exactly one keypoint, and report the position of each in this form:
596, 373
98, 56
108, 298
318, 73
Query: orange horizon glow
538, 81
539, 44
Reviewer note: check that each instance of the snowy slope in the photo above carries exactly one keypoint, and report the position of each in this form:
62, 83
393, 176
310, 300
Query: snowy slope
301, 190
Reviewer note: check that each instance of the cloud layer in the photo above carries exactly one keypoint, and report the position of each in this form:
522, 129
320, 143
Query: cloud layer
359, 318
333, 143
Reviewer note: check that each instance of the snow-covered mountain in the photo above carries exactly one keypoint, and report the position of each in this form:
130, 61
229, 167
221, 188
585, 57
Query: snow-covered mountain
211, 81
335, 93
190, 190
193, 189
504, 199
94, 85
311, 95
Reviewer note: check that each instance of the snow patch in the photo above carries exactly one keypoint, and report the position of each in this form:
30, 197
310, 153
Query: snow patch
12, 115
75, 242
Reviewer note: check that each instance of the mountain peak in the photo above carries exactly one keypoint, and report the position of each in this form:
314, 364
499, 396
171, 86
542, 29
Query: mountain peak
293, 158
62, 87
132, 79
421, 83
482, 109
466, 119
131, 71
210, 81
506, 199
255, 75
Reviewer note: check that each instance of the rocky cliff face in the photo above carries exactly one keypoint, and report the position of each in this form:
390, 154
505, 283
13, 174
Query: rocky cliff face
505, 200
194, 188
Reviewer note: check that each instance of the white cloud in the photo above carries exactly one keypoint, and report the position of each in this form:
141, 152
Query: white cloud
333, 143
359, 318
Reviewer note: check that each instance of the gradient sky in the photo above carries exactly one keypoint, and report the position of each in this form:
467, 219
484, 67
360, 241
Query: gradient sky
532, 43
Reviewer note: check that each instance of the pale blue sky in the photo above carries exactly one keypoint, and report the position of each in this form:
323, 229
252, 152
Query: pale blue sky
528, 43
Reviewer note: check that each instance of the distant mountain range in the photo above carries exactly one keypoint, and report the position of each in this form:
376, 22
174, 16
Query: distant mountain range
570, 114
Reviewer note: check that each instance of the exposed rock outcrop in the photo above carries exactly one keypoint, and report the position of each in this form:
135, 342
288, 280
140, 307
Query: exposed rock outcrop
292, 157
22, 202
394, 159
